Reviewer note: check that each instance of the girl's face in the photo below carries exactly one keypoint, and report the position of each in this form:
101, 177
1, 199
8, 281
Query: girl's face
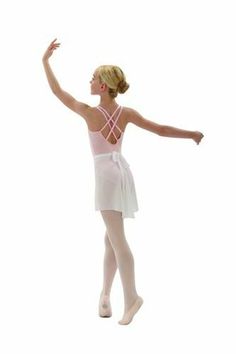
96, 87
94, 82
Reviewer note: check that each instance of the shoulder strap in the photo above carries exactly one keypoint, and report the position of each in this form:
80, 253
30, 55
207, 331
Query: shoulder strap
109, 118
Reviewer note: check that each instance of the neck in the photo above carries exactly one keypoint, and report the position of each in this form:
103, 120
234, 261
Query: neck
107, 102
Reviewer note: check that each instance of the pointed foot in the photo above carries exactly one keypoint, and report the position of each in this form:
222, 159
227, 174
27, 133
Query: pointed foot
128, 316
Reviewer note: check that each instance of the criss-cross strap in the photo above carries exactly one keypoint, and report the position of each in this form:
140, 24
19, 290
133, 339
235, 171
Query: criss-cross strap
109, 119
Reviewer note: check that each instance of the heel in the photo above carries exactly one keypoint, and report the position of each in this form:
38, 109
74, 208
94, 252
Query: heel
104, 307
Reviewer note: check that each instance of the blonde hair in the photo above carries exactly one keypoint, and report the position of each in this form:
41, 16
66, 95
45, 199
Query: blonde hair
114, 77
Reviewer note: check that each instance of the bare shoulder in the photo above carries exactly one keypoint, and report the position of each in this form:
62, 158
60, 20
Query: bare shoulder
91, 116
127, 113
135, 117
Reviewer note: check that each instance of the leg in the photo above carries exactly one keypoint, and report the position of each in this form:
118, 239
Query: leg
124, 259
109, 267
109, 270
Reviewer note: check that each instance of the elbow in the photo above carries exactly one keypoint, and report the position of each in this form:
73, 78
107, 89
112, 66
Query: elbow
158, 129
153, 127
56, 89
161, 130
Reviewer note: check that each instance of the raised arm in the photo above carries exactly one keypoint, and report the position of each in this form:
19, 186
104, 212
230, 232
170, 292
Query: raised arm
79, 107
162, 130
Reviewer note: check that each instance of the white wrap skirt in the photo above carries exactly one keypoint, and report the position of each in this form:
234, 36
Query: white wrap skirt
114, 184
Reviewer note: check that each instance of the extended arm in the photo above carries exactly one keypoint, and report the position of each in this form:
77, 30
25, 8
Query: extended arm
172, 132
163, 130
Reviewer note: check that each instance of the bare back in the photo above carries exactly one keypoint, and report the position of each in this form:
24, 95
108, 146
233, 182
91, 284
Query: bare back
97, 121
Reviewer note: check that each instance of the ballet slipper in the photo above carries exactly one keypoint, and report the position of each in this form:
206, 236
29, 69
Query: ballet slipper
105, 306
128, 316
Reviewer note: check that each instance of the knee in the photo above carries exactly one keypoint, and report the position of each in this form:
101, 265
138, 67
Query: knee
112, 242
107, 241
117, 242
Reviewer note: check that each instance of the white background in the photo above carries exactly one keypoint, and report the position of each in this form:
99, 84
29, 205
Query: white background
179, 59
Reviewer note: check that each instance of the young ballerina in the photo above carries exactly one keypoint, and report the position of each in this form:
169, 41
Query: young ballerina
115, 194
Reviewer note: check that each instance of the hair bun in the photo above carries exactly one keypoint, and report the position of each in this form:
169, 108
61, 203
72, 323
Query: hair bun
122, 86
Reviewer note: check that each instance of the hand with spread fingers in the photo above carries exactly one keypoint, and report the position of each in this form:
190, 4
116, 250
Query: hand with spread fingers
50, 49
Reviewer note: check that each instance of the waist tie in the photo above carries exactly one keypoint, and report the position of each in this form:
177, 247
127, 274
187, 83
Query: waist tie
123, 165
116, 157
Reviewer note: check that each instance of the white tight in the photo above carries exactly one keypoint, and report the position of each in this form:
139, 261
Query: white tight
118, 253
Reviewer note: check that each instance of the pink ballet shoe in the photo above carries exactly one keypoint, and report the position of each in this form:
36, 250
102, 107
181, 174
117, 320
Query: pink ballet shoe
104, 306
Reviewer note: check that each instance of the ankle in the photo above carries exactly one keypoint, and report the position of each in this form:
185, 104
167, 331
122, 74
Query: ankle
105, 294
130, 302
